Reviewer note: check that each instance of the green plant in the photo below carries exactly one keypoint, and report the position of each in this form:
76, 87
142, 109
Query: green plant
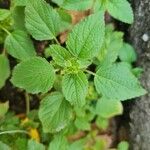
85, 81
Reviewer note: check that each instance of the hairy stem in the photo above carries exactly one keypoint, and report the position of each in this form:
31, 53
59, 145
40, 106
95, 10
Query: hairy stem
56, 41
90, 72
13, 131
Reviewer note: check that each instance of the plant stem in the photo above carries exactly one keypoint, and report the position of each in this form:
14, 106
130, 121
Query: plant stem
57, 70
90, 72
27, 98
56, 41
13, 131
4, 29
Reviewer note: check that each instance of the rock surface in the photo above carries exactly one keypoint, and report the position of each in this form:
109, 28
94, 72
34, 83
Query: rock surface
139, 34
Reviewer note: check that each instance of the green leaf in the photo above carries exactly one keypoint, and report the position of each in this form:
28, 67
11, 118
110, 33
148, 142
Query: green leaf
4, 70
84, 63
59, 54
102, 122
82, 124
73, 65
111, 46
34, 75
64, 14
92, 93
78, 5
127, 53
59, 142
19, 18
121, 10
4, 14
33, 145
3, 146
20, 2
123, 146
4, 108
108, 108
137, 71
75, 87
42, 21
20, 143
86, 38
78, 145
117, 82
86, 113
101, 144
66, 18
58, 83
55, 113
99, 5
19, 45
80, 112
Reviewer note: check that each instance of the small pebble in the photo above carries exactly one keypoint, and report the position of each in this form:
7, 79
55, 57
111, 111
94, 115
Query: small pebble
145, 37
